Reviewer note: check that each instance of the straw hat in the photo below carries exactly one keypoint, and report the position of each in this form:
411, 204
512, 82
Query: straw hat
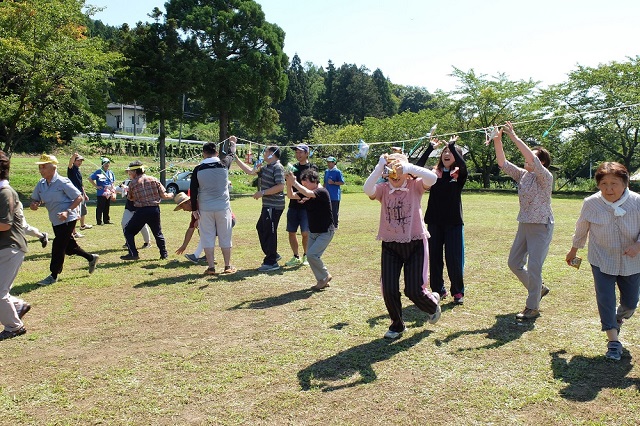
47, 159
180, 199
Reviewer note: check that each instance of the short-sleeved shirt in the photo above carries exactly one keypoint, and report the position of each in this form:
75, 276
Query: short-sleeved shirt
210, 184
103, 178
146, 191
319, 211
11, 213
299, 168
401, 212
270, 176
534, 191
609, 235
75, 176
335, 191
57, 196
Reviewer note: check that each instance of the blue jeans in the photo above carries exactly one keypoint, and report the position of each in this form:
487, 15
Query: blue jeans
605, 286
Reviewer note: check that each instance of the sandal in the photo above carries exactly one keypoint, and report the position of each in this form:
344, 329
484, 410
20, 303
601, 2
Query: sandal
230, 270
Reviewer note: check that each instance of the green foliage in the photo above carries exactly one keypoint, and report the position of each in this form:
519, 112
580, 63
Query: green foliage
54, 77
240, 64
480, 102
611, 132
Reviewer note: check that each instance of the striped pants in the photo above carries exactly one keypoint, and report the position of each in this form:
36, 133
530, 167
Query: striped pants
412, 257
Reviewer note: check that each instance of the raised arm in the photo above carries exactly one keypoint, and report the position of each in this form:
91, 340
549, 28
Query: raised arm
497, 146
245, 167
433, 144
524, 149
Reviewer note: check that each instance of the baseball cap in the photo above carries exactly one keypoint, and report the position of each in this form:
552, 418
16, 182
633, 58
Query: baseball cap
105, 160
47, 159
301, 147
79, 157
332, 159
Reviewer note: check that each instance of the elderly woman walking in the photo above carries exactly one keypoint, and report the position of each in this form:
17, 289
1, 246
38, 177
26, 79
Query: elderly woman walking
611, 220
535, 218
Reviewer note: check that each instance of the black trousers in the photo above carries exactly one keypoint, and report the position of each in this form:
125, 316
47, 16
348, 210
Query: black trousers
410, 257
102, 210
64, 244
267, 228
149, 216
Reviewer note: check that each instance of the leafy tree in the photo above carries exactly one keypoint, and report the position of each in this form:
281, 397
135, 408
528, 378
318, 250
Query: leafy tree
601, 126
159, 71
53, 77
412, 98
356, 95
326, 108
295, 110
383, 86
241, 71
478, 103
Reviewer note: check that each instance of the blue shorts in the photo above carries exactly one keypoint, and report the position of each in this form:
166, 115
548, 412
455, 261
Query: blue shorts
297, 218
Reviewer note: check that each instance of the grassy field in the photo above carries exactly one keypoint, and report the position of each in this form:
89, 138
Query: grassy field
155, 343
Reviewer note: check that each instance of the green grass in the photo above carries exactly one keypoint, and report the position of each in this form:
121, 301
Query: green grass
154, 342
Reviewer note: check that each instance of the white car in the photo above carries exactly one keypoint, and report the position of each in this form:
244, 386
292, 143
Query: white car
180, 182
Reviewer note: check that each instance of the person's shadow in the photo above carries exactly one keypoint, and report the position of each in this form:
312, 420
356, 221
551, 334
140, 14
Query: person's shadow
358, 360
587, 376
505, 330
270, 302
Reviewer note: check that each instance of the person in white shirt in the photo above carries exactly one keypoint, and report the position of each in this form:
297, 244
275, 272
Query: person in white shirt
611, 220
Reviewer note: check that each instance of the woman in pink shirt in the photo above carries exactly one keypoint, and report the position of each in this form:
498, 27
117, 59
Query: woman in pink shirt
404, 237
535, 219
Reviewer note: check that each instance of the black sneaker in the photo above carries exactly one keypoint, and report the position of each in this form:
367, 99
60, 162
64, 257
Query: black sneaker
129, 257
6, 334
44, 240
92, 263
23, 310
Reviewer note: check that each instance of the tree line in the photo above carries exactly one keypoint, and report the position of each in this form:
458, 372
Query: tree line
221, 62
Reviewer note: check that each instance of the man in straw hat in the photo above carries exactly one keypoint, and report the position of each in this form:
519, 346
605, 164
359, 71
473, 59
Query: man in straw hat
62, 199
146, 192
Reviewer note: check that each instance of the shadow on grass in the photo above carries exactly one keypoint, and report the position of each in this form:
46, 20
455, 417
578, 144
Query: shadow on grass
270, 302
169, 280
505, 330
357, 360
587, 376
412, 316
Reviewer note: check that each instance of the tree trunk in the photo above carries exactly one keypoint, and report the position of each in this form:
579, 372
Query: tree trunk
224, 125
486, 179
162, 151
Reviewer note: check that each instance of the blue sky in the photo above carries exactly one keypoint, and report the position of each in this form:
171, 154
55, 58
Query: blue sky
417, 42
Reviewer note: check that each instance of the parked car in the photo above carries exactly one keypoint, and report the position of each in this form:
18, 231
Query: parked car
180, 182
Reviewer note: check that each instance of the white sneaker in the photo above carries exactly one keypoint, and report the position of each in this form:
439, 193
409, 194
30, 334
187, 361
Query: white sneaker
392, 335
433, 318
